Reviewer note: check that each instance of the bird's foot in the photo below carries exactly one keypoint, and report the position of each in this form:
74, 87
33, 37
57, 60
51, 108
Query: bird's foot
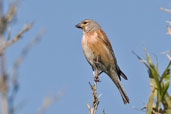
96, 75
96, 79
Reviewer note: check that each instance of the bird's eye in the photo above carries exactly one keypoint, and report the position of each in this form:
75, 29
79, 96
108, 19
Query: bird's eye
85, 22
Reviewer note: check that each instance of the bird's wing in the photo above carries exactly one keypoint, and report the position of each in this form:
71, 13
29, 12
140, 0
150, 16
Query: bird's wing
103, 37
106, 41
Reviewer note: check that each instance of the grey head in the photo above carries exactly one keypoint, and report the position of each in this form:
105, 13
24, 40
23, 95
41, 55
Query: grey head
88, 25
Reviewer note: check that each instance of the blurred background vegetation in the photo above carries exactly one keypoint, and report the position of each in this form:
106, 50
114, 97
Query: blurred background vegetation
159, 101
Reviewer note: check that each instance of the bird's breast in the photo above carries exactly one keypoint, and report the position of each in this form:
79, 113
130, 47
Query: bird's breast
88, 42
94, 47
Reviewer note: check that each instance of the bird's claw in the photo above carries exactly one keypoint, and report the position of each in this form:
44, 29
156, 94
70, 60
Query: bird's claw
96, 78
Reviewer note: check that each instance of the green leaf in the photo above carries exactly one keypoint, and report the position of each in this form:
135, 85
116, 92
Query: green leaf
153, 71
168, 111
165, 71
143, 61
155, 75
166, 83
150, 103
159, 86
167, 102
165, 76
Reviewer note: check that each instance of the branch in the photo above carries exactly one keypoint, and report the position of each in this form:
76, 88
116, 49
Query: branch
10, 14
94, 93
167, 10
3, 77
4, 104
25, 51
18, 36
103, 111
169, 30
5, 19
47, 102
13, 72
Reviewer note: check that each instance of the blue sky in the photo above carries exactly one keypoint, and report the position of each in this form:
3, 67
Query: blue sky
57, 62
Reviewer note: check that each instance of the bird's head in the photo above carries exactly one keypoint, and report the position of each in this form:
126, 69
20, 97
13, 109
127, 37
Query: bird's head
88, 25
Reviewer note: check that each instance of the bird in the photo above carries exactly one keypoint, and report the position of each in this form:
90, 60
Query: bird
98, 51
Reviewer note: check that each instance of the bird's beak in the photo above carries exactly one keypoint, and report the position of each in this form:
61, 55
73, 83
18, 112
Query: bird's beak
78, 25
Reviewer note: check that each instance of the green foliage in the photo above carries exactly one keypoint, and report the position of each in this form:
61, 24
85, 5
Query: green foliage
150, 103
159, 85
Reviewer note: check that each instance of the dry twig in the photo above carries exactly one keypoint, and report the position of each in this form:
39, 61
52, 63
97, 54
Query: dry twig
16, 38
103, 111
26, 49
49, 101
169, 30
13, 72
5, 19
94, 93
167, 10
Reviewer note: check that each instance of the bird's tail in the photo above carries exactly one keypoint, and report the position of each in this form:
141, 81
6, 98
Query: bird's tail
123, 93
117, 82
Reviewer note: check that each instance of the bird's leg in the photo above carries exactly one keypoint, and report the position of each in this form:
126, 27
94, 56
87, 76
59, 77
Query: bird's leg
96, 62
96, 74
96, 77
